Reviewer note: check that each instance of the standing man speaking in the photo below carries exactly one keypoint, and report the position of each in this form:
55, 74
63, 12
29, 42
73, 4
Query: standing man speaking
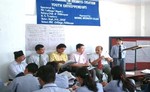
118, 54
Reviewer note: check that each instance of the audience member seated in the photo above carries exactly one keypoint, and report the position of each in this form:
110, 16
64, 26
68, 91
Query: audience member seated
86, 81
100, 61
46, 76
27, 83
59, 56
18, 66
79, 57
119, 83
61, 80
40, 58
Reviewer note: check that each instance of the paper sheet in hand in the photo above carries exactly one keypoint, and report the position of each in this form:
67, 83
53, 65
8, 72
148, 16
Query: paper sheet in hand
68, 74
67, 63
90, 67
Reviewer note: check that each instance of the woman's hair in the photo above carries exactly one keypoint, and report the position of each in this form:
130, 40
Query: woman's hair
87, 79
119, 74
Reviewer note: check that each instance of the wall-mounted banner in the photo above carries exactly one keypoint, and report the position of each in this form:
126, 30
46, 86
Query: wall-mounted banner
68, 12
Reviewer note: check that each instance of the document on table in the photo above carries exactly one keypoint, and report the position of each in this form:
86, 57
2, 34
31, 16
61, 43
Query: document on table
130, 73
146, 71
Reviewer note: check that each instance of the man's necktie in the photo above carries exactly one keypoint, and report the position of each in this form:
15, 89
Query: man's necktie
40, 60
120, 54
100, 66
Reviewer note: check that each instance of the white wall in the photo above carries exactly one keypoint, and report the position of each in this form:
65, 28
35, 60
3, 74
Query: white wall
142, 20
12, 31
120, 22
147, 20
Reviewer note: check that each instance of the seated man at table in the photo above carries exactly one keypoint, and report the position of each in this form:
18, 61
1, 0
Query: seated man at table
100, 60
59, 56
40, 57
17, 67
79, 57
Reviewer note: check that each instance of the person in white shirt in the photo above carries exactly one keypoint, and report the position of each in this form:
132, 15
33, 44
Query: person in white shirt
103, 58
79, 57
18, 66
40, 58
46, 76
119, 83
61, 80
86, 81
27, 83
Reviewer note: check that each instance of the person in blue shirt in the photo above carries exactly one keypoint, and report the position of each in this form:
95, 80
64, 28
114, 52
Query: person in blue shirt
118, 54
86, 81
3, 88
46, 75
1, 83
119, 83
27, 83
61, 80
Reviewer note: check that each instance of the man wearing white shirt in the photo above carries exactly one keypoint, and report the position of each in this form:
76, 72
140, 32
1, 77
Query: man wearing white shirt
40, 58
46, 76
79, 57
104, 58
17, 66
27, 83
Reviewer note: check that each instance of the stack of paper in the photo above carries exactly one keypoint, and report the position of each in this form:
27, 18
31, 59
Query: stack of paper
146, 71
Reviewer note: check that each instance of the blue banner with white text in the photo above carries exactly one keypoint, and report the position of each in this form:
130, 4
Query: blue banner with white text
68, 12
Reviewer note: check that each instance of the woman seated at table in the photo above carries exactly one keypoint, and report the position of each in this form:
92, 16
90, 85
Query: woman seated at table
119, 83
86, 81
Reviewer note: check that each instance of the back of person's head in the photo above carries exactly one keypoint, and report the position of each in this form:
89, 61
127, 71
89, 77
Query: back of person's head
32, 68
118, 73
46, 74
54, 64
78, 46
18, 54
38, 47
87, 79
119, 39
61, 46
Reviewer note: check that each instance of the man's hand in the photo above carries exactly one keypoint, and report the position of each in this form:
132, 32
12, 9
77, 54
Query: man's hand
86, 64
109, 59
